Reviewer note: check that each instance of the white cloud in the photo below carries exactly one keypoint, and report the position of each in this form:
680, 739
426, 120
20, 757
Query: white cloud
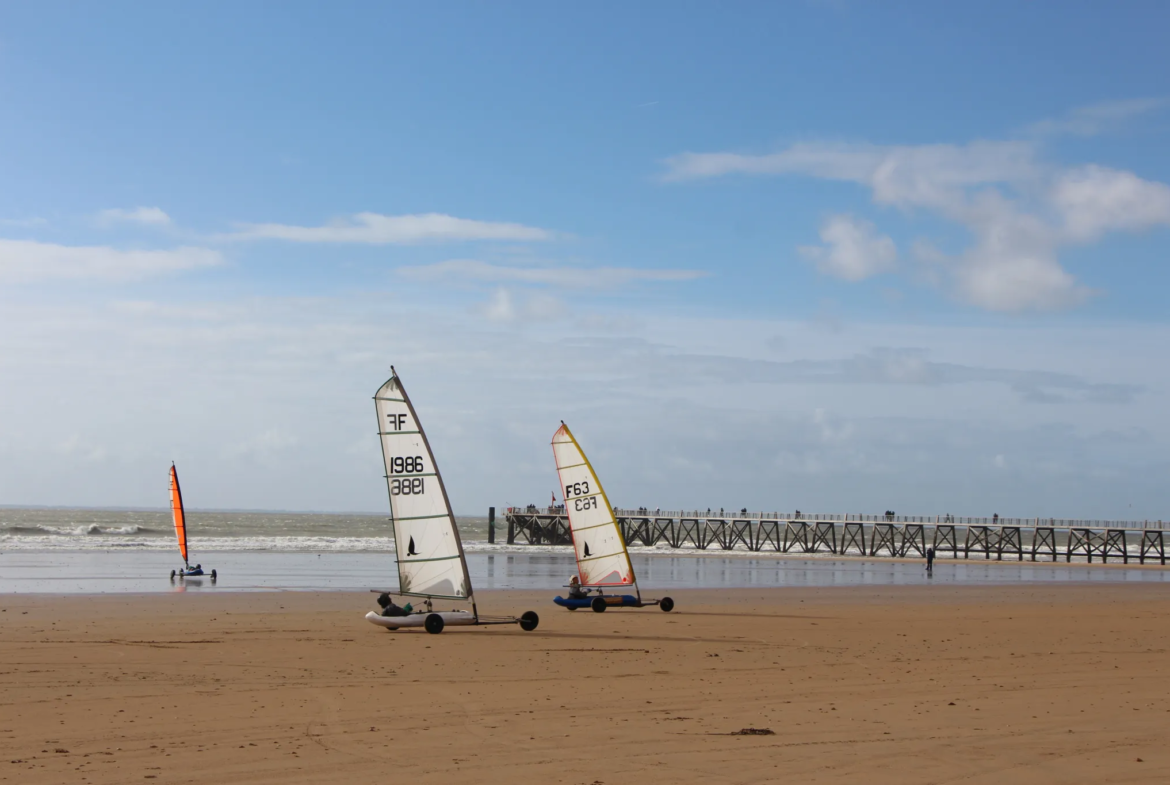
263, 446
76, 447
375, 229
24, 223
500, 307
25, 260
504, 307
1094, 200
853, 250
1096, 119
1020, 212
151, 216
911, 430
898, 174
567, 277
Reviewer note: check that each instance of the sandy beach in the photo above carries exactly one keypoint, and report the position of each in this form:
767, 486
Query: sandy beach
1019, 684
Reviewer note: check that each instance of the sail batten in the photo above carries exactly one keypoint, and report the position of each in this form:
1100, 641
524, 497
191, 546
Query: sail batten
602, 557
178, 513
430, 557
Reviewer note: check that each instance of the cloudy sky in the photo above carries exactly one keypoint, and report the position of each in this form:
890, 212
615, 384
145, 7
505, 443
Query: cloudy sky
833, 256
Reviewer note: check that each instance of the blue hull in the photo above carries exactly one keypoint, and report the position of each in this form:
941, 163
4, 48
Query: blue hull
611, 600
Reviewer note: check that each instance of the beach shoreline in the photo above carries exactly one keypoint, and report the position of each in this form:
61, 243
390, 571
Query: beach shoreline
127, 570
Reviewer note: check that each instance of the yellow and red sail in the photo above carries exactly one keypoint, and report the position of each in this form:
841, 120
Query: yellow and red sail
602, 558
177, 512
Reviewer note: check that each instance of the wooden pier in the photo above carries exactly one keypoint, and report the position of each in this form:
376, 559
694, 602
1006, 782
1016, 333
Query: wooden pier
1032, 539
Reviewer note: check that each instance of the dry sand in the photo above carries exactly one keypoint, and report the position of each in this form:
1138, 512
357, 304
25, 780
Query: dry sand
1065, 684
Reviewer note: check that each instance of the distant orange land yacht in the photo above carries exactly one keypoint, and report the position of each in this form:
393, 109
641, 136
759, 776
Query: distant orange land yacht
181, 531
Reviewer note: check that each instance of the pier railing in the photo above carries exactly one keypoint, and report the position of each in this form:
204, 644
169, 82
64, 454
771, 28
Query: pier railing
898, 536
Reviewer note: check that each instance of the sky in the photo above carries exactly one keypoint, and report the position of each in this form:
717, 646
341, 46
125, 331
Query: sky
829, 256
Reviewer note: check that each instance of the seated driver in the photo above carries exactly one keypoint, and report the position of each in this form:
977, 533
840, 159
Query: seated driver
389, 608
575, 590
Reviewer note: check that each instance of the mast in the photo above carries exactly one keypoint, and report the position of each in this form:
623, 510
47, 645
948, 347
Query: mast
429, 552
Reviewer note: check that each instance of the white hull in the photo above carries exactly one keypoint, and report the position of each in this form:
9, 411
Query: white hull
418, 619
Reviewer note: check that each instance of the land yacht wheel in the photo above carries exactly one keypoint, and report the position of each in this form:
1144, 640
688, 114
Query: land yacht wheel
598, 605
529, 620
666, 604
434, 624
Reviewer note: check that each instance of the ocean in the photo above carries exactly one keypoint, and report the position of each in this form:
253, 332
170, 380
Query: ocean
108, 551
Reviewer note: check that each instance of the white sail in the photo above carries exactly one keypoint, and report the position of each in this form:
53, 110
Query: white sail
602, 558
430, 555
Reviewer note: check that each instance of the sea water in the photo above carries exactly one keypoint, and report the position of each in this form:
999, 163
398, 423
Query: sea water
103, 551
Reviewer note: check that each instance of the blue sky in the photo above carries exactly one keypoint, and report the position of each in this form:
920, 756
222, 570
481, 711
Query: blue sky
821, 255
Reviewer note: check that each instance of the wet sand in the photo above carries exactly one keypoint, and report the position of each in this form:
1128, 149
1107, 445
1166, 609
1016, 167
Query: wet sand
1019, 684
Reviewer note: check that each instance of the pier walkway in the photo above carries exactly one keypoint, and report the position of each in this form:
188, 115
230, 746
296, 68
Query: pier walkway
1035, 539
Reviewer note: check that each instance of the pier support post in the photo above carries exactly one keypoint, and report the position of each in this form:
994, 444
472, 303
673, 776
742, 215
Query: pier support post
1153, 545
913, 539
978, 540
1079, 541
1044, 541
825, 533
770, 534
944, 540
491, 525
883, 538
799, 531
1009, 542
1115, 545
853, 537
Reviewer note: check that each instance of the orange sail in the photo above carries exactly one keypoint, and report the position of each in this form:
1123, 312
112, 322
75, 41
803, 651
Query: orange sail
177, 511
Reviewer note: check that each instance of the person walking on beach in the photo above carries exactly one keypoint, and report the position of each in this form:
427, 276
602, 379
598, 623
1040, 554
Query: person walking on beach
930, 561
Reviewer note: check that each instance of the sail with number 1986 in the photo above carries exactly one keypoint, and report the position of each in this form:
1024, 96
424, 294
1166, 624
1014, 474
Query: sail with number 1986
429, 553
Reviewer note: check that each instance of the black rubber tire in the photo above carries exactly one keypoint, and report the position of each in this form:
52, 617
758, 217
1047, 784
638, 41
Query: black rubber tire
598, 605
213, 575
529, 620
172, 575
570, 608
666, 604
434, 624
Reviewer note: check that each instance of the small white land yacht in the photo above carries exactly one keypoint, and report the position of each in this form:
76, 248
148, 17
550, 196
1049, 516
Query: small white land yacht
431, 564
603, 561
